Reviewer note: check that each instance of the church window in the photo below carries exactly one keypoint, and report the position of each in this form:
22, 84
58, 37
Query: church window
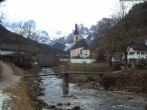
76, 38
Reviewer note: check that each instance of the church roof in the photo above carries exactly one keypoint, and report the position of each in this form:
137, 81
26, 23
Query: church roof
76, 32
81, 43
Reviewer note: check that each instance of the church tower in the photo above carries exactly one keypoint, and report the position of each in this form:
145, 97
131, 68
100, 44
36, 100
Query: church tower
76, 36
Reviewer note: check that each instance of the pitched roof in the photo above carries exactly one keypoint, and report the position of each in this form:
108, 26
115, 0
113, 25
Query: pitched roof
138, 46
81, 43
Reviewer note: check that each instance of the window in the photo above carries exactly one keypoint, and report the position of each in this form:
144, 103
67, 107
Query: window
142, 53
76, 38
138, 52
131, 53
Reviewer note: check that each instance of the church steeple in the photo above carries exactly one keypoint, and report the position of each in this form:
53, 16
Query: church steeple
76, 36
76, 32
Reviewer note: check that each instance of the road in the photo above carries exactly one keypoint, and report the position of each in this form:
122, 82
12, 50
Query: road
7, 78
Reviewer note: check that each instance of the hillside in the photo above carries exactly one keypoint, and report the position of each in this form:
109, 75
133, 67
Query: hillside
44, 53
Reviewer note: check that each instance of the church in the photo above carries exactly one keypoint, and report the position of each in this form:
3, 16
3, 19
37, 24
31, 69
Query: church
80, 48
80, 52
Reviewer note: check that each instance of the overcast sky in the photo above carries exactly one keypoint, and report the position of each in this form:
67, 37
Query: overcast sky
59, 15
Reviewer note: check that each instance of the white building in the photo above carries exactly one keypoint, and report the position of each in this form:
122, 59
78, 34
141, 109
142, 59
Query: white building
80, 52
80, 48
6, 52
137, 51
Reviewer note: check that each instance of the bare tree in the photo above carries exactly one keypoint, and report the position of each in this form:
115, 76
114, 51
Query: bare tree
105, 31
124, 32
26, 29
2, 17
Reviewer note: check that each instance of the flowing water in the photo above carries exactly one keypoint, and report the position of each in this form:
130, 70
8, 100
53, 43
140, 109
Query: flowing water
88, 99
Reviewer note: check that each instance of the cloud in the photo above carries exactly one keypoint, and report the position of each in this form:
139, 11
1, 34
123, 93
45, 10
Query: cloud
59, 15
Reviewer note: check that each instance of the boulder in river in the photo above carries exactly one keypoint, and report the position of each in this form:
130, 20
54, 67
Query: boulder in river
75, 108
72, 97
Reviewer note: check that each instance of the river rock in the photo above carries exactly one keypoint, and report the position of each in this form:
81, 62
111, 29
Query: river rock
67, 104
51, 107
72, 97
93, 83
58, 109
76, 108
59, 104
130, 97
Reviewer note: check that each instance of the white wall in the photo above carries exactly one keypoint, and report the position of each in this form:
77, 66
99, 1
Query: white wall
64, 59
6, 52
137, 54
75, 52
85, 53
72, 60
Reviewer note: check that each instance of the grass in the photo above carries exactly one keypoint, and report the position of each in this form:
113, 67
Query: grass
134, 70
93, 65
20, 98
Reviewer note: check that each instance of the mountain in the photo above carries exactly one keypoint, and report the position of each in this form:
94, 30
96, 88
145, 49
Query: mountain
58, 45
44, 38
67, 40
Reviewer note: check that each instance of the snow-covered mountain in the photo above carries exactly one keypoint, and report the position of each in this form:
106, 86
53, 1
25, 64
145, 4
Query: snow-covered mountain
64, 41
43, 37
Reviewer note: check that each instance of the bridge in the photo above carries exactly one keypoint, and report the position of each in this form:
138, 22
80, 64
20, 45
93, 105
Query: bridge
65, 72
74, 71
85, 70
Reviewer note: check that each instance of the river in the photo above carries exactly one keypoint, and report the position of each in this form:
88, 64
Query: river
88, 99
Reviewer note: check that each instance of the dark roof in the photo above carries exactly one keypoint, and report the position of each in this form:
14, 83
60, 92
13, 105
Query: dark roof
138, 46
76, 32
81, 43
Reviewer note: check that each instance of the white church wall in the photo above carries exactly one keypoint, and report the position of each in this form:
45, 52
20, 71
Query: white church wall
75, 52
85, 53
72, 60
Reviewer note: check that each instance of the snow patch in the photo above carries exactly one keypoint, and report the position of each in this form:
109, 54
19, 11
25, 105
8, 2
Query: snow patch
68, 46
3, 99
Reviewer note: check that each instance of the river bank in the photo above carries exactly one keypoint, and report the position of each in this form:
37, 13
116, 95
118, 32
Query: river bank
13, 91
132, 80
129, 81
